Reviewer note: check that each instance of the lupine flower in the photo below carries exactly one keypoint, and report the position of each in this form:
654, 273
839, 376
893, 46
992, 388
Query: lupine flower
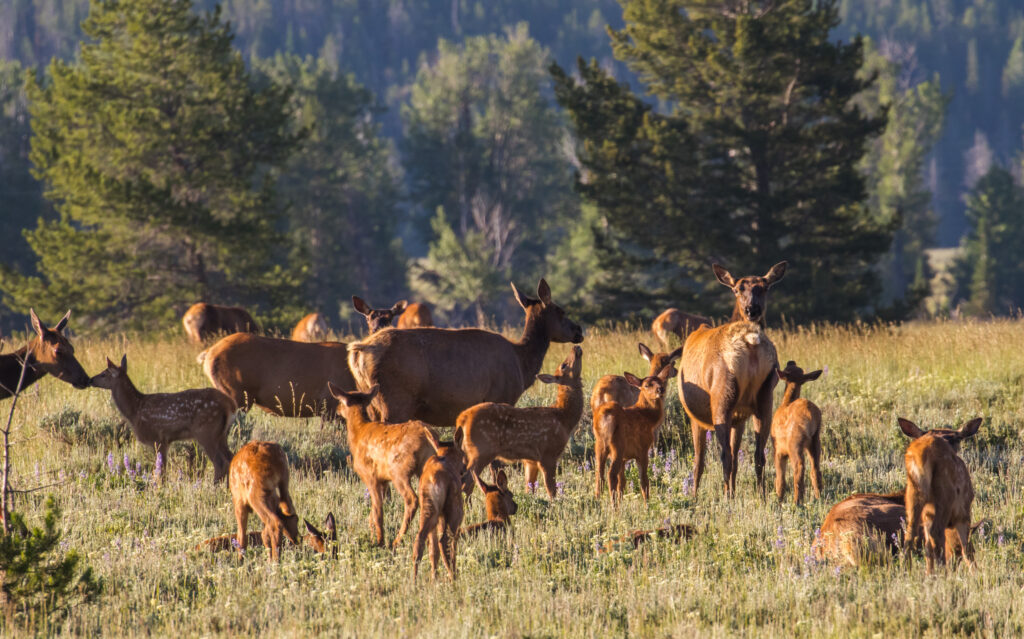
559, 485
741, 456
586, 465
531, 486
597, 546
709, 435
234, 541
159, 468
111, 464
1000, 540
780, 542
366, 494
82, 474
127, 463
688, 484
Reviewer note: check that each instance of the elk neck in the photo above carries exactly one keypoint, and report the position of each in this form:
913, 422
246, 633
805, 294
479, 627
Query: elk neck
737, 315
127, 398
531, 348
570, 403
32, 374
792, 393
356, 423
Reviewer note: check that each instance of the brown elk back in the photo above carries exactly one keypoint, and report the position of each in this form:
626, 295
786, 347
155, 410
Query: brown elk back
416, 315
434, 374
281, 376
259, 483
615, 388
202, 321
49, 352
311, 328
675, 322
865, 527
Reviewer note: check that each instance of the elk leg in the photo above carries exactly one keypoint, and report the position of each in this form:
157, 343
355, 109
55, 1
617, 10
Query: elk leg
762, 427
798, 475
549, 479
645, 483
265, 508
377, 512
161, 451
426, 526
434, 551
285, 506
914, 508
530, 469
447, 549
697, 430
780, 474
815, 451
600, 456
616, 477
242, 518
722, 403
963, 533
411, 504
735, 444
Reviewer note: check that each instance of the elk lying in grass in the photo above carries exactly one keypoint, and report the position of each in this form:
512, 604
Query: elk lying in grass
311, 328
862, 528
49, 352
416, 315
674, 533
259, 483
498, 504
939, 492
623, 433
280, 376
202, 321
314, 538
159, 419
434, 374
728, 375
796, 428
377, 318
383, 453
441, 507
535, 434
676, 322
616, 388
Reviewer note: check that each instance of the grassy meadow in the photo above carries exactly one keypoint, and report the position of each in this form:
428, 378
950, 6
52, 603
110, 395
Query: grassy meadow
749, 572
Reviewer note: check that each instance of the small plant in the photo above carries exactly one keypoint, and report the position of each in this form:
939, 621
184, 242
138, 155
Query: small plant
74, 429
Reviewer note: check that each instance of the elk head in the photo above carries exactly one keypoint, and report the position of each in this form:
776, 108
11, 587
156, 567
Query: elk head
751, 292
51, 352
569, 371
352, 399
377, 318
319, 540
952, 437
653, 387
113, 374
793, 374
659, 361
549, 315
498, 501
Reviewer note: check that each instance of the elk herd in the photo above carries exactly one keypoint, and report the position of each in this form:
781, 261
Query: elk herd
399, 388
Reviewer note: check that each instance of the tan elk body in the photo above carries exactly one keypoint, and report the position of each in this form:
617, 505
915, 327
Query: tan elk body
202, 321
796, 429
259, 483
441, 506
861, 528
311, 328
415, 315
675, 322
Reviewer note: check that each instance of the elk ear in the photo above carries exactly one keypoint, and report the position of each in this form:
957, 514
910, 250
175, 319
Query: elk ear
633, 379
501, 480
370, 394
776, 273
723, 275
337, 393
667, 371
37, 325
645, 352
547, 379
124, 364
111, 364
524, 301
63, 322
479, 482
311, 529
544, 291
970, 429
813, 375
361, 305
330, 526
458, 437
781, 373
399, 307
909, 428
676, 354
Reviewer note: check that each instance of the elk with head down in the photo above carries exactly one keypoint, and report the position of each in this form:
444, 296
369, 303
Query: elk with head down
202, 321
433, 374
675, 322
416, 315
49, 352
311, 328
728, 375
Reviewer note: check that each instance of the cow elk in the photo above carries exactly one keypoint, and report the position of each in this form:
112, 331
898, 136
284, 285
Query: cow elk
441, 506
377, 319
866, 527
536, 434
796, 429
200, 414
311, 328
498, 504
259, 483
49, 352
728, 375
202, 321
939, 492
383, 453
675, 322
623, 433
416, 315
434, 374
616, 388
280, 376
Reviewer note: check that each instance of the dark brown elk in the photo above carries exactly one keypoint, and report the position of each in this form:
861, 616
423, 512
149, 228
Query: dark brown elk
498, 505
385, 453
160, 419
203, 321
535, 434
441, 506
616, 388
416, 315
728, 375
939, 492
796, 429
434, 374
377, 318
280, 376
259, 482
675, 322
49, 352
311, 328
862, 528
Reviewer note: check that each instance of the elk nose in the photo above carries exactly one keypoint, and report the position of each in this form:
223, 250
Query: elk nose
754, 311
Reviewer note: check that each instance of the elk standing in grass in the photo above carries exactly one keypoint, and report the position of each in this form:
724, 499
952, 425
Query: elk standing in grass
676, 322
434, 374
416, 315
536, 434
498, 504
939, 491
377, 319
311, 328
202, 321
796, 428
49, 352
728, 376
862, 527
623, 433
200, 414
383, 453
441, 507
616, 388
259, 483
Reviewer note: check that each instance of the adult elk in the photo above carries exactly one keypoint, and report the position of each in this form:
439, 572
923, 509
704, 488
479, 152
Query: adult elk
280, 376
311, 328
939, 491
728, 376
416, 315
49, 352
675, 322
434, 374
202, 321
377, 318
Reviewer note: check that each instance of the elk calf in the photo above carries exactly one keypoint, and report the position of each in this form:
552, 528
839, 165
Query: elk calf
311, 328
200, 414
259, 482
675, 322
939, 491
316, 539
383, 453
862, 527
622, 433
498, 504
796, 428
535, 434
616, 388
377, 318
441, 507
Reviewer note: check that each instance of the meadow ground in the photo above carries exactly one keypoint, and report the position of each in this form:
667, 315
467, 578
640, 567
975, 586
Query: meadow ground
749, 571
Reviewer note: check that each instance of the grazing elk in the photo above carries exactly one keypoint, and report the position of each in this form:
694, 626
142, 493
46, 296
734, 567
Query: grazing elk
280, 376
434, 374
383, 453
316, 540
259, 482
377, 318
441, 507
200, 414
728, 375
676, 322
498, 504
939, 491
49, 352
202, 321
622, 433
616, 388
862, 527
535, 434
416, 315
796, 428
311, 328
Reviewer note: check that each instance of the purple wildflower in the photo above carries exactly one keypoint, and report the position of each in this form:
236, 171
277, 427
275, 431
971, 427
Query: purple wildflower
559, 486
82, 474
158, 470
780, 541
127, 464
111, 464
531, 486
37, 471
1000, 540
688, 484
709, 435
586, 465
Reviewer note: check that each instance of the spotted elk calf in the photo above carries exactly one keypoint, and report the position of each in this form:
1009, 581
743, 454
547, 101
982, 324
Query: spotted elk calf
441, 506
498, 504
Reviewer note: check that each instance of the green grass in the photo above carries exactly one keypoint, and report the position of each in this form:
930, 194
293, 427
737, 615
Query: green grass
747, 573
